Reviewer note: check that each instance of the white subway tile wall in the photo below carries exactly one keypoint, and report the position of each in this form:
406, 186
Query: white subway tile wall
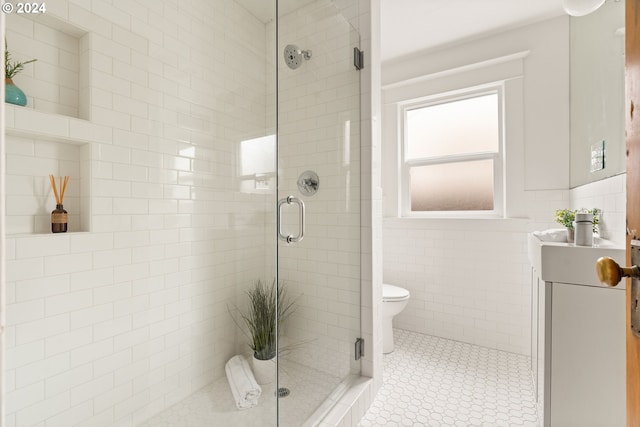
127, 313
467, 283
610, 196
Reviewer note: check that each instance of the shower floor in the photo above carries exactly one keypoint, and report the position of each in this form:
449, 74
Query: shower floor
431, 381
213, 405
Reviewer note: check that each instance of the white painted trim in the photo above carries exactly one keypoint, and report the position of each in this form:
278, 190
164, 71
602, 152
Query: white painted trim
458, 70
505, 73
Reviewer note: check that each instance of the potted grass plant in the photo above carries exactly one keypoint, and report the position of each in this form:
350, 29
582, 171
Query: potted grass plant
269, 307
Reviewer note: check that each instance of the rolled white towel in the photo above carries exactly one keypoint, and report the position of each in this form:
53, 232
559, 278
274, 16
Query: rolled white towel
552, 235
244, 387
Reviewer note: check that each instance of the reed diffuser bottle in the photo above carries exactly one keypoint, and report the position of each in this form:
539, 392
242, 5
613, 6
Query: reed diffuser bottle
59, 215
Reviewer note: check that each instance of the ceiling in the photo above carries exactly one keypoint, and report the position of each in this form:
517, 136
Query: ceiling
265, 10
408, 26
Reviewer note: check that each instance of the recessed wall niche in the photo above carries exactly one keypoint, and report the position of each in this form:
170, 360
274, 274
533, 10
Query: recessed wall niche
29, 198
58, 80
38, 144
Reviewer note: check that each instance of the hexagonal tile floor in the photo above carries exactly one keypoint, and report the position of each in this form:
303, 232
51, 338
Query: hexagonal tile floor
431, 381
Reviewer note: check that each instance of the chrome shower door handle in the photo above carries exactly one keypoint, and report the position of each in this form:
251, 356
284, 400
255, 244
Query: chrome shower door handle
290, 238
301, 225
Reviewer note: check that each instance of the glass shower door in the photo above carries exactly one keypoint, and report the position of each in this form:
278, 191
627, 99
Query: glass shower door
318, 199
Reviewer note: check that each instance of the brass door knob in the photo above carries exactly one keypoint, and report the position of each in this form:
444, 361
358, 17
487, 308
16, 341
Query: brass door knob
610, 273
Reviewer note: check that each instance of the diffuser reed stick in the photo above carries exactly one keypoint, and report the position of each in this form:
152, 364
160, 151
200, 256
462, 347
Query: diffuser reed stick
63, 187
59, 215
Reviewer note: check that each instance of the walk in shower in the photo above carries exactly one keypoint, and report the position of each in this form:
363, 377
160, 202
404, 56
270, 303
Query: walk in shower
209, 145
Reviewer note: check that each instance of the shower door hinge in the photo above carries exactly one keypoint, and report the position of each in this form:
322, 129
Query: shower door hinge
359, 348
358, 58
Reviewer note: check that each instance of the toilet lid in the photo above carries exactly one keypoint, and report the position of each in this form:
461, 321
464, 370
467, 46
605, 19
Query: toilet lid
391, 292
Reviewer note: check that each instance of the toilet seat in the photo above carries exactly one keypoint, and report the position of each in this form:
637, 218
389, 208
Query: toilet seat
394, 293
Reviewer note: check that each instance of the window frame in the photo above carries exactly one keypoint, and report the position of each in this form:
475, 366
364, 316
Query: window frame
498, 157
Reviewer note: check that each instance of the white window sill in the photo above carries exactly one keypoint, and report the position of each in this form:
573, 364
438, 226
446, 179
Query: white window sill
459, 223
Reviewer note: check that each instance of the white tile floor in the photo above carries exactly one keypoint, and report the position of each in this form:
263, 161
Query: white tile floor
430, 381
213, 405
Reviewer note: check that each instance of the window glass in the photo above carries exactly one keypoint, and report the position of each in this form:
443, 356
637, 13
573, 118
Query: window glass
461, 186
458, 127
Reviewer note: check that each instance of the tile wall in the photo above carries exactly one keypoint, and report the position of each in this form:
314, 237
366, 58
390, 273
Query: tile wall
609, 195
466, 283
125, 316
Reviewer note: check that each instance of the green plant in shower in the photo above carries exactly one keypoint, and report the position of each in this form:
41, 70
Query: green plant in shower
269, 307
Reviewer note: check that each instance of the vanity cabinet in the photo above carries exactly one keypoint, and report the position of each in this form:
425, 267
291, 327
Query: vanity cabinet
577, 338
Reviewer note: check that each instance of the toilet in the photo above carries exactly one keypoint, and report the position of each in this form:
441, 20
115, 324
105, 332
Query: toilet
394, 300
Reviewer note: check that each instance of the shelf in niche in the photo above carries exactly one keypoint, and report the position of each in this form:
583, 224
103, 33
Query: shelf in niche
27, 122
43, 235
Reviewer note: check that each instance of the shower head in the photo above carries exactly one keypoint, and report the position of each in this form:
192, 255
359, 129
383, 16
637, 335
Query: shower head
293, 56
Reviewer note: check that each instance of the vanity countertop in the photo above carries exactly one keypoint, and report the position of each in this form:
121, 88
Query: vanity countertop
568, 263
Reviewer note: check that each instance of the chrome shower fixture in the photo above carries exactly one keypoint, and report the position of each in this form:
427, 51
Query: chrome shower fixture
293, 56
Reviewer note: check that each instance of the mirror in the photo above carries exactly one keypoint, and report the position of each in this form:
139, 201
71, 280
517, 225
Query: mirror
597, 94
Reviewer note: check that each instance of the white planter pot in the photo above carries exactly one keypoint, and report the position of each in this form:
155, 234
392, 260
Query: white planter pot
264, 370
570, 235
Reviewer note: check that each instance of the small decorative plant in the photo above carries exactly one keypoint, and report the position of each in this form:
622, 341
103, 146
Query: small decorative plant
269, 307
566, 217
596, 218
15, 67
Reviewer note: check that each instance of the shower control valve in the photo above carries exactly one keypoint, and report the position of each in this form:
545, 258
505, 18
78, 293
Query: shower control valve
308, 183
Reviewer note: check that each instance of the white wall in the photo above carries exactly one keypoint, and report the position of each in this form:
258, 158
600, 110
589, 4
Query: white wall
597, 91
469, 279
545, 87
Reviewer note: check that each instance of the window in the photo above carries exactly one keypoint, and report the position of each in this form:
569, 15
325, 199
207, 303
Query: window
452, 155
